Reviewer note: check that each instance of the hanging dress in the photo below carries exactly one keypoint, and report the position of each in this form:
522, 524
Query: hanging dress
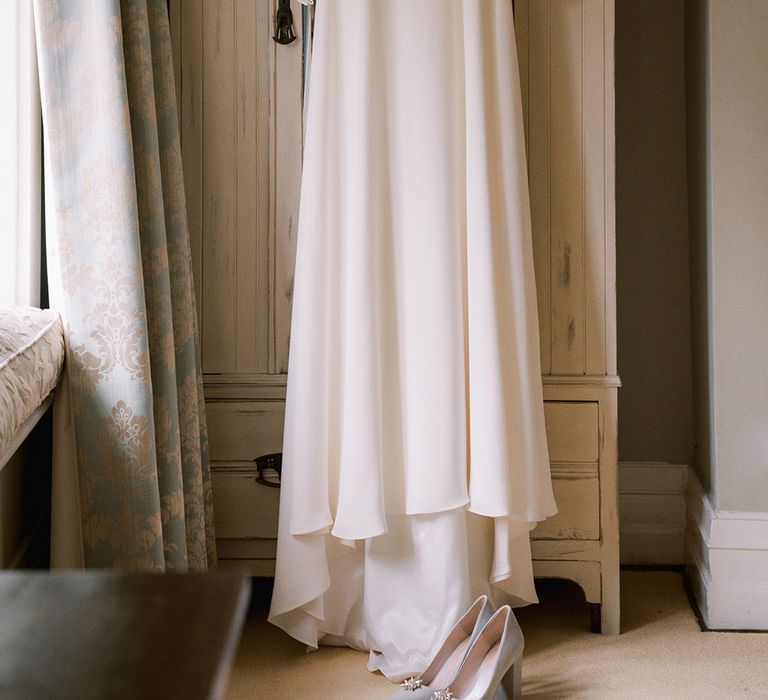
415, 458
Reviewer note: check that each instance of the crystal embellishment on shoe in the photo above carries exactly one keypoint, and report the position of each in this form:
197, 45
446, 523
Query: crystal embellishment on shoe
411, 684
444, 694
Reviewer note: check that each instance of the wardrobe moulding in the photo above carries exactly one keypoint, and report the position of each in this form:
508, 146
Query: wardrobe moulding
240, 114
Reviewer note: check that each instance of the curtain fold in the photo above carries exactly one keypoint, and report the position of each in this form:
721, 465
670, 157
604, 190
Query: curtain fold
132, 484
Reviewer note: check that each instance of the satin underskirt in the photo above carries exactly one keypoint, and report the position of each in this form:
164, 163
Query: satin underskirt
398, 595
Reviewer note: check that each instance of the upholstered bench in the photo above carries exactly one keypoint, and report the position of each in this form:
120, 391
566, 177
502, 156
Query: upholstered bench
31, 357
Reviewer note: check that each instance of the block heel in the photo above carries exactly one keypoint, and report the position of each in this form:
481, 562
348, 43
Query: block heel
511, 686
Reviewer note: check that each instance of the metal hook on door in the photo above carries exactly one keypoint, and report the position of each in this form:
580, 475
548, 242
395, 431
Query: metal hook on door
284, 33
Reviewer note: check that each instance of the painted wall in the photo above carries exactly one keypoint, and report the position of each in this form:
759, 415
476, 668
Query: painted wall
697, 113
738, 55
654, 343
727, 64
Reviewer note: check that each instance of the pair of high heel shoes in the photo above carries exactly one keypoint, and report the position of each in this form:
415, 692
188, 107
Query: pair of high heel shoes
481, 659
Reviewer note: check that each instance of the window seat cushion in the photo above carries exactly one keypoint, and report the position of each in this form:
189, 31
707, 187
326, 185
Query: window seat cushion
31, 357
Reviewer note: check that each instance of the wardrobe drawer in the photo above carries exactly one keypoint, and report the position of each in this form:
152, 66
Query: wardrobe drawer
577, 494
572, 431
243, 430
252, 550
253, 557
243, 507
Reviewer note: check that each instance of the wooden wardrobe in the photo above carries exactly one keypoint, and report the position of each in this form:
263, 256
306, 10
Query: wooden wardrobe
240, 102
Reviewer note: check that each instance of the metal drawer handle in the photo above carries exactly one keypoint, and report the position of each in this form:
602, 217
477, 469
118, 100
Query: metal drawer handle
269, 469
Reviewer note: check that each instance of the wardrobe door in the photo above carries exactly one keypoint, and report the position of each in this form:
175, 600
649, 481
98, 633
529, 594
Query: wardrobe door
240, 109
566, 68
239, 96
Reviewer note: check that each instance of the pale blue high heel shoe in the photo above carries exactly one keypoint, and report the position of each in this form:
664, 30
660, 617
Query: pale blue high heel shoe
444, 666
493, 666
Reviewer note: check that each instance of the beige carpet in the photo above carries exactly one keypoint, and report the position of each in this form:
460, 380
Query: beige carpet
661, 654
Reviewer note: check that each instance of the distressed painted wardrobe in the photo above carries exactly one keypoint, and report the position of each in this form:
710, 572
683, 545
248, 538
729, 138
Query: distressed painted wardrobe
240, 101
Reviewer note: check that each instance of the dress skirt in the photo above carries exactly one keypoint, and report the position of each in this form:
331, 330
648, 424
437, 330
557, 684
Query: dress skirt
415, 457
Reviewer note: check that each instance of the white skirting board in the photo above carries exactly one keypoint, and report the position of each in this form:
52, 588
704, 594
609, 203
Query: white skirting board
652, 513
727, 563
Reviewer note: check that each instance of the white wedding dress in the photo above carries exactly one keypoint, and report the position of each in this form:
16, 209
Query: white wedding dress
415, 458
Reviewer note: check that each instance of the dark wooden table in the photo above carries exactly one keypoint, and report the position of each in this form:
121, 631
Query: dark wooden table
115, 636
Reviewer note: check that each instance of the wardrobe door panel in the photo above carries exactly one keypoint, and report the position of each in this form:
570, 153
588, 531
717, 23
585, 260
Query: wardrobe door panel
240, 119
219, 195
532, 27
251, 171
286, 168
566, 204
566, 73
596, 207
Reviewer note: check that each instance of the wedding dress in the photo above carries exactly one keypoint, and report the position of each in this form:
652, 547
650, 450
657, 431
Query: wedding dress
415, 458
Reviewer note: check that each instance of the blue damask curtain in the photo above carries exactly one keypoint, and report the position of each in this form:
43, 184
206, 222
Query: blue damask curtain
131, 477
